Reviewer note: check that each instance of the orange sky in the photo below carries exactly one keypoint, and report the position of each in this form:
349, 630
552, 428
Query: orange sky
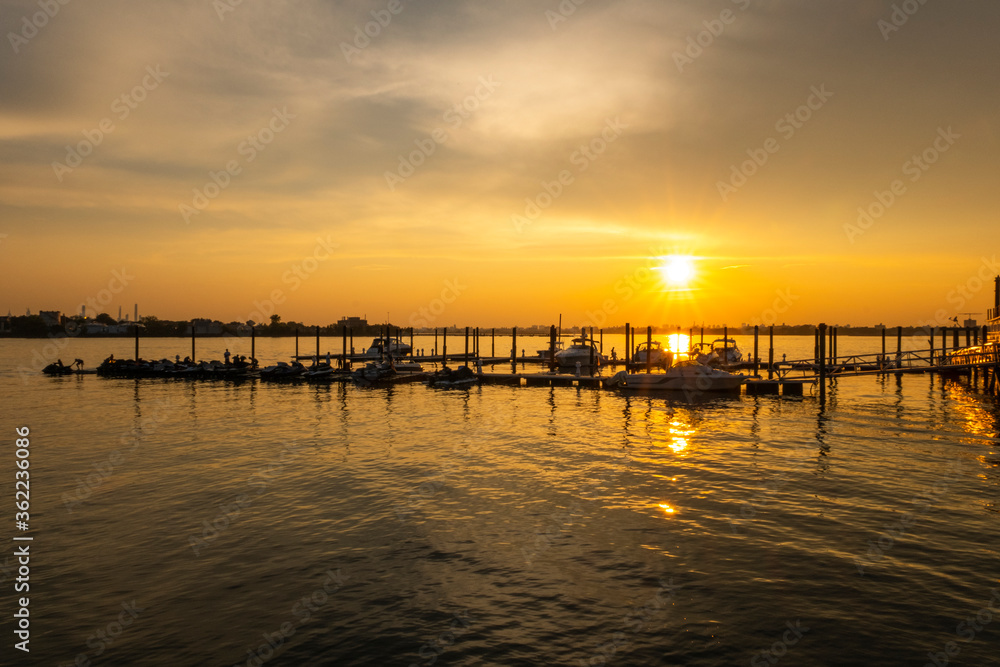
500, 164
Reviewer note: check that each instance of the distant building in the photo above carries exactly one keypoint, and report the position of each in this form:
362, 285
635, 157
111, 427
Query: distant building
204, 327
352, 322
52, 318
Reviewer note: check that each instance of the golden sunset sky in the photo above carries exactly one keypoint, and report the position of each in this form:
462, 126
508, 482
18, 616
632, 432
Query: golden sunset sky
511, 160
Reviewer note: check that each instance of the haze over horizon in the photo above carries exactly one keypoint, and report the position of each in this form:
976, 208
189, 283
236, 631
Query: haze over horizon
510, 161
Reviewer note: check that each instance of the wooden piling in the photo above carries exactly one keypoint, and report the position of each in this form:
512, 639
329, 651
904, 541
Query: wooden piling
317, 343
770, 354
411, 340
628, 356
253, 344
513, 348
136, 327
552, 349
493, 343
649, 344
466, 346
756, 352
192, 343
435, 350
296, 342
822, 363
899, 349
444, 346
930, 346
343, 347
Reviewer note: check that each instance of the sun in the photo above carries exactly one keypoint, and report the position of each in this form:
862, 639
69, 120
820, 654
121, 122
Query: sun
677, 271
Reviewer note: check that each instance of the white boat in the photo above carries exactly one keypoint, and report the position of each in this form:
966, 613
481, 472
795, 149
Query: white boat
687, 376
655, 353
722, 352
583, 351
545, 353
396, 348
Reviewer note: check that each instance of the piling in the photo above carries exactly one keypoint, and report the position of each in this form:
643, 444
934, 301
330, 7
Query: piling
899, 349
350, 337
628, 353
649, 344
343, 347
317, 343
513, 349
493, 343
822, 363
770, 354
725, 345
192, 343
411, 340
444, 346
296, 342
552, 349
466, 346
756, 352
253, 343
136, 327
435, 350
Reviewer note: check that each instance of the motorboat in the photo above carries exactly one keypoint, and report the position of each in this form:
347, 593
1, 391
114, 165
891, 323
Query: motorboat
383, 373
688, 376
393, 347
583, 351
463, 376
547, 352
721, 352
654, 353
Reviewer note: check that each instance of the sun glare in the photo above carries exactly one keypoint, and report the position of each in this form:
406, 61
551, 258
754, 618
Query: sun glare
677, 271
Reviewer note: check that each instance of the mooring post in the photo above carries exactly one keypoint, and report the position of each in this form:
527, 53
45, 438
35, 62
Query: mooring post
444, 346
930, 360
601, 334
317, 344
411, 340
513, 349
822, 363
136, 327
350, 339
628, 356
435, 351
955, 343
552, 348
701, 341
725, 345
296, 343
770, 354
756, 336
466, 346
493, 342
649, 344
899, 349
816, 347
343, 346
192, 343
